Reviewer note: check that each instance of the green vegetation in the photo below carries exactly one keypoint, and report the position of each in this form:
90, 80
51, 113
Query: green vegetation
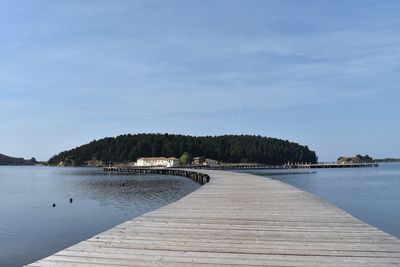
356, 159
185, 158
226, 148
6, 160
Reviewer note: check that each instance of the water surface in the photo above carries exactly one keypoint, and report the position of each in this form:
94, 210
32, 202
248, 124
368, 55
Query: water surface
30, 228
370, 194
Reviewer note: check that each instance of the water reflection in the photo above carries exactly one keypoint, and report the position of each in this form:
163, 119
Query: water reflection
139, 193
31, 228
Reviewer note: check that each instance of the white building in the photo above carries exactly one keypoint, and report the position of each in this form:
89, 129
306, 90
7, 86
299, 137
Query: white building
157, 162
210, 162
204, 161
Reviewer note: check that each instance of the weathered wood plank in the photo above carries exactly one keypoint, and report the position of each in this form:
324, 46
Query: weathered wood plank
243, 249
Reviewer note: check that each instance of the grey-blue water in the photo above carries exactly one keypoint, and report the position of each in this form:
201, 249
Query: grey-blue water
30, 228
370, 194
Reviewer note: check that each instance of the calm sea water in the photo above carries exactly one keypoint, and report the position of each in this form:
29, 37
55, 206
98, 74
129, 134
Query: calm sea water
370, 194
30, 228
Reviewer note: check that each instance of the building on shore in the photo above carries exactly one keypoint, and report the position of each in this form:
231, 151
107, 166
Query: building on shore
157, 162
211, 162
198, 161
204, 161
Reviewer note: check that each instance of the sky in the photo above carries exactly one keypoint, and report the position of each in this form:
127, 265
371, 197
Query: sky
318, 72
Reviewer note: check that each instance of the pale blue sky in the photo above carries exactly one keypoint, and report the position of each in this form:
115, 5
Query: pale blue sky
322, 73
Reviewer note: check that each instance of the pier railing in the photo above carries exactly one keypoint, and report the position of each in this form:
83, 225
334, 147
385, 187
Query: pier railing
286, 166
198, 177
202, 178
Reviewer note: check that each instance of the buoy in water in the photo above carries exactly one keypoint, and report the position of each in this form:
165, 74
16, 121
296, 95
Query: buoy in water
70, 200
54, 204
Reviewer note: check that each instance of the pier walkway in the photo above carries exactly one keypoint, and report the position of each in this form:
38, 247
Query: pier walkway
237, 220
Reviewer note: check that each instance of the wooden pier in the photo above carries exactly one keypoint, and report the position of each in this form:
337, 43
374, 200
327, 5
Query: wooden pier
237, 219
286, 166
336, 165
198, 177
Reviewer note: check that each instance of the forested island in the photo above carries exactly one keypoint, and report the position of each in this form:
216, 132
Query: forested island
6, 160
355, 160
364, 159
225, 148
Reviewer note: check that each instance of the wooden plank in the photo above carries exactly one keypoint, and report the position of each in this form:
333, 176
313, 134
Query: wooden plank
343, 245
238, 220
241, 248
121, 256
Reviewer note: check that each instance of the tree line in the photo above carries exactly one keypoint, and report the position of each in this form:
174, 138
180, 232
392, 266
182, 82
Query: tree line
6, 160
225, 148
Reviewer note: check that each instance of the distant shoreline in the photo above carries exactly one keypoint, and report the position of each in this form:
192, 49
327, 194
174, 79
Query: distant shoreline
388, 160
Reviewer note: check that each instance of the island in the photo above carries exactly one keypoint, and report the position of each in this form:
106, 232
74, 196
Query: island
126, 149
7, 160
355, 160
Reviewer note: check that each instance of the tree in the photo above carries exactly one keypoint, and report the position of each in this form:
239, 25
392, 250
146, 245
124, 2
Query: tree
185, 158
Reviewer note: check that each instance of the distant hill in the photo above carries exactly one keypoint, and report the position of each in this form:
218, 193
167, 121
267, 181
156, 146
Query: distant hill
356, 159
226, 148
6, 160
388, 160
